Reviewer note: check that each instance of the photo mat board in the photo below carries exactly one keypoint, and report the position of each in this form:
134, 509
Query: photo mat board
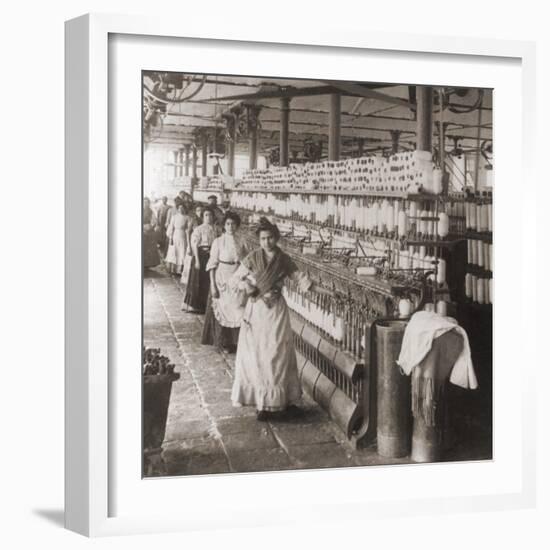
105, 490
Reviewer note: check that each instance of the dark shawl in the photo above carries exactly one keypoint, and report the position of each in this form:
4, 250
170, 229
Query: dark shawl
269, 275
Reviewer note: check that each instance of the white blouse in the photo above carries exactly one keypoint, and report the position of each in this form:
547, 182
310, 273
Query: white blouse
229, 249
203, 235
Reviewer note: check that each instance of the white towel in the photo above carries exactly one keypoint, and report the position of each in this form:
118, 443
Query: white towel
423, 327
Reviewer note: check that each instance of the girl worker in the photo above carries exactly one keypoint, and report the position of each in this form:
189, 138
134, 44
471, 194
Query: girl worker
266, 374
177, 239
225, 306
198, 283
151, 257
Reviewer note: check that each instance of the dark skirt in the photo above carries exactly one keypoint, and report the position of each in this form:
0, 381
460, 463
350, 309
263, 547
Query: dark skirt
198, 283
214, 334
151, 257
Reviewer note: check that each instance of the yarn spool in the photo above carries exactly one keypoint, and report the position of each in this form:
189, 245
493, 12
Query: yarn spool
487, 291
402, 224
381, 218
443, 225
474, 288
481, 290
473, 216
484, 218
437, 181
441, 271
357, 213
478, 217
474, 252
396, 209
409, 257
490, 217
441, 307
468, 285
423, 224
412, 214
480, 253
432, 225
389, 217
369, 217
416, 261
429, 307
413, 210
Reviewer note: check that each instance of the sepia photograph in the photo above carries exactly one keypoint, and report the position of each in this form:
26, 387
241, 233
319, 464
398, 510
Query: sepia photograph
317, 274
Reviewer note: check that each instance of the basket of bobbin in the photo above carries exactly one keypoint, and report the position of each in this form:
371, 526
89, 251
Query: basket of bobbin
158, 375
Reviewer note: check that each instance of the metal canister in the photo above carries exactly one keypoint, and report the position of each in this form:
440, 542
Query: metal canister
394, 392
429, 399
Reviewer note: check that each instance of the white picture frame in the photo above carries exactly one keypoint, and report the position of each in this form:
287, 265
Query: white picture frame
90, 211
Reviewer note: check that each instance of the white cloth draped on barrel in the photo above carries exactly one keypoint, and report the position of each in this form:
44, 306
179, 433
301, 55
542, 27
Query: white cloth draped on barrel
420, 333
266, 373
225, 256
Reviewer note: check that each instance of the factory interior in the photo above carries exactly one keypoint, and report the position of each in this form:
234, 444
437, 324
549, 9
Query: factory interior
380, 198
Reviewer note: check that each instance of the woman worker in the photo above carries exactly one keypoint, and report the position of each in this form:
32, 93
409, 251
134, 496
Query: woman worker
225, 305
198, 283
151, 257
266, 374
177, 239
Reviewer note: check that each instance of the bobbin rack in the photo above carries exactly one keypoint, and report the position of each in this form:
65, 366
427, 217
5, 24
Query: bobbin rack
377, 252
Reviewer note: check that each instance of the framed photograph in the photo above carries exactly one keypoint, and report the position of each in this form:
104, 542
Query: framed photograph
280, 282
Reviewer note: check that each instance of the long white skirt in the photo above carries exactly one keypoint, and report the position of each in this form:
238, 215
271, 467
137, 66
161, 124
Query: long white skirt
266, 374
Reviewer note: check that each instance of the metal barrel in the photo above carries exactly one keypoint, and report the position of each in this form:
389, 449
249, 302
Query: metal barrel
429, 397
427, 438
394, 392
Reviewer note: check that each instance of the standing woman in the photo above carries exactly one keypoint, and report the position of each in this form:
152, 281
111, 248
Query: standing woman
162, 225
177, 240
225, 307
151, 257
195, 219
198, 283
266, 373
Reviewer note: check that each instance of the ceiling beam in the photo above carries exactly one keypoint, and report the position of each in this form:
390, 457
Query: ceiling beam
355, 89
291, 91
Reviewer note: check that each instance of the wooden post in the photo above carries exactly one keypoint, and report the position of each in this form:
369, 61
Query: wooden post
176, 154
230, 122
204, 154
194, 169
253, 112
283, 134
424, 108
181, 162
187, 151
334, 127
395, 140
360, 146
478, 148
194, 162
